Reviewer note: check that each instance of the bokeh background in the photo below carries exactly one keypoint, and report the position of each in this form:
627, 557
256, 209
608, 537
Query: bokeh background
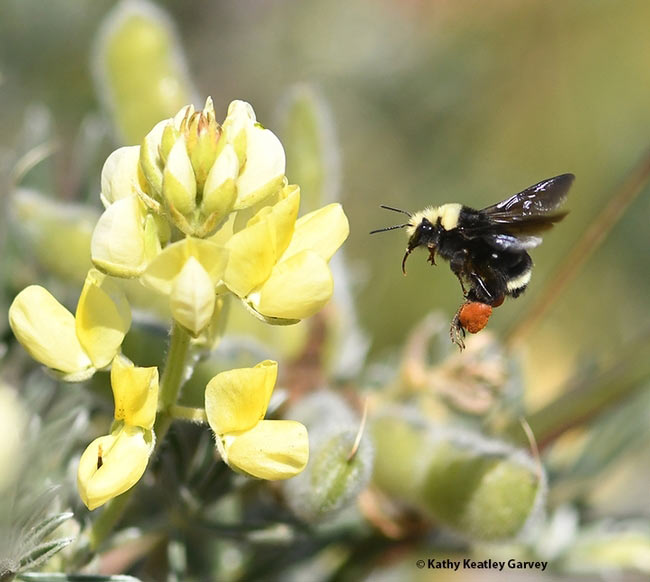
428, 102
431, 102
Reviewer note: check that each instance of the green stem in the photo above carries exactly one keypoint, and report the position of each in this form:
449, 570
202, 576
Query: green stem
171, 381
108, 519
188, 413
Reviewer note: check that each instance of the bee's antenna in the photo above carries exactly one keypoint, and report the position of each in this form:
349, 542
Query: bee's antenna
397, 225
395, 209
389, 228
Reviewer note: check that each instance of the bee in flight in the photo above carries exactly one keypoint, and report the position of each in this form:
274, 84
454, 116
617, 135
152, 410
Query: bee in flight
487, 249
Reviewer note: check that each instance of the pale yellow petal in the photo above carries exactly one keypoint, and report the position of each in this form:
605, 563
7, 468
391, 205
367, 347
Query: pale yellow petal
103, 317
135, 391
193, 297
118, 243
272, 449
240, 116
251, 256
219, 191
112, 464
283, 217
297, 288
179, 183
163, 270
46, 330
150, 162
263, 172
120, 175
235, 400
322, 231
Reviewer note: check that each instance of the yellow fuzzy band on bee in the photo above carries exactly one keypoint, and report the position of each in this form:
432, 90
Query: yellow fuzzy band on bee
447, 213
519, 281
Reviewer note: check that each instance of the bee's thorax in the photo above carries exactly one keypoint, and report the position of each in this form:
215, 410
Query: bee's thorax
447, 214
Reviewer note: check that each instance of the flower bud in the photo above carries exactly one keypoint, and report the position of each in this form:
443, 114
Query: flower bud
179, 185
334, 477
340, 464
219, 190
202, 134
120, 175
151, 163
260, 153
193, 297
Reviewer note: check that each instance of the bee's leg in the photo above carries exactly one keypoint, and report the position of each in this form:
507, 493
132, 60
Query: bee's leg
432, 256
491, 292
457, 331
457, 264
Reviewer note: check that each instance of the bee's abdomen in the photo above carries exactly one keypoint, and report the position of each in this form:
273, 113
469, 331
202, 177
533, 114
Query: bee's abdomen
517, 273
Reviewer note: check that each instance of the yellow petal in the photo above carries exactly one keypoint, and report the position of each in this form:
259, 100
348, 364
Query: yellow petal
297, 288
263, 171
112, 464
150, 162
272, 449
163, 270
103, 317
219, 190
120, 175
193, 297
135, 391
322, 231
283, 217
235, 400
251, 256
179, 183
46, 330
240, 116
118, 243
255, 249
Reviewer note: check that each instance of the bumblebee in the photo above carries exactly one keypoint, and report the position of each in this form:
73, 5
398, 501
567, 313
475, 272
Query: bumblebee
487, 249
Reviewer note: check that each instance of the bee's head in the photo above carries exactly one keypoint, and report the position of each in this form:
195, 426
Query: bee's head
422, 232
424, 228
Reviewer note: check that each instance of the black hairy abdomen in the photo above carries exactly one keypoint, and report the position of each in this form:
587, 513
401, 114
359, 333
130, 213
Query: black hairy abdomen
485, 270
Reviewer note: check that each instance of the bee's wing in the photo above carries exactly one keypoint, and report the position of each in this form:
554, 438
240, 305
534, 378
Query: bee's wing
512, 223
534, 203
510, 242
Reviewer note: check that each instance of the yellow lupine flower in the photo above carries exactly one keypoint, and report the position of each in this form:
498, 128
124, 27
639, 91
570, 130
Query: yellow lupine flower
190, 172
235, 404
278, 266
74, 346
120, 175
188, 271
260, 154
125, 238
113, 463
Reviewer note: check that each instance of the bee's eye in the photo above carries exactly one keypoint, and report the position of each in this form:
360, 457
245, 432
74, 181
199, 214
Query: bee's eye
426, 226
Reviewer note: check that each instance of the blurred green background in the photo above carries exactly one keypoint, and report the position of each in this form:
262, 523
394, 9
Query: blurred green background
431, 102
